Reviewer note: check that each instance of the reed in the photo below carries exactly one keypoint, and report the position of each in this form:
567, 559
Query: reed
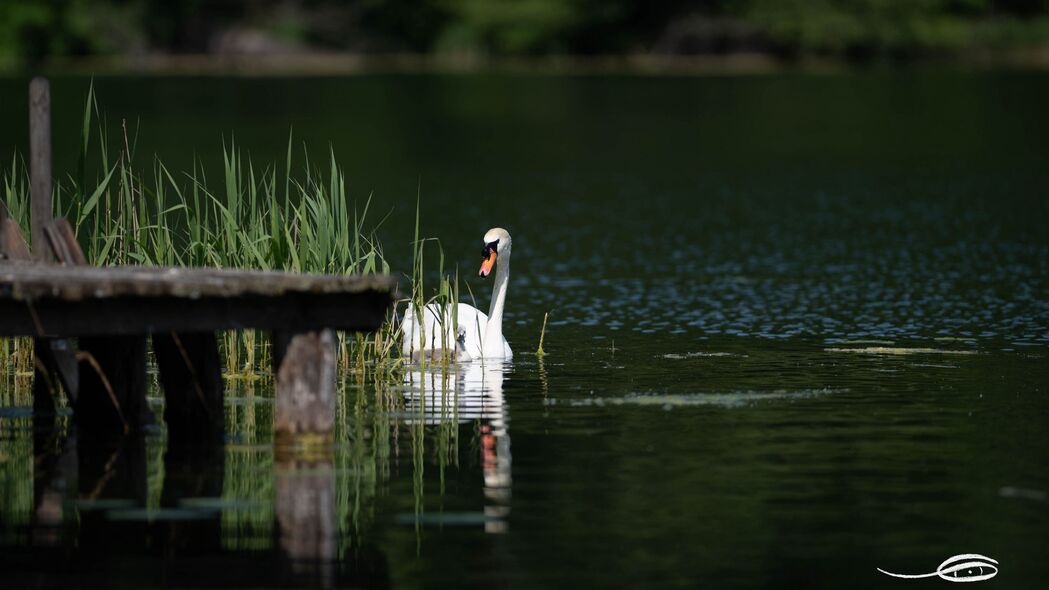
542, 333
441, 300
296, 217
293, 216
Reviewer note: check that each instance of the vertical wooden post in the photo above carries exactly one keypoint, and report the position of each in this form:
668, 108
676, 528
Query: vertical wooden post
191, 375
305, 482
44, 386
40, 164
305, 402
111, 401
55, 364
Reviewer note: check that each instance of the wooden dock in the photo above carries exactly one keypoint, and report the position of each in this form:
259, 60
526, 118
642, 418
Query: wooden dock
91, 325
91, 328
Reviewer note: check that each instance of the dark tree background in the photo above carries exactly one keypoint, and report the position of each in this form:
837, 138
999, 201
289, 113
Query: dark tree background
33, 30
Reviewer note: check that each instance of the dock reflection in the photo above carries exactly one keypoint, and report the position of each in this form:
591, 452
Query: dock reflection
144, 511
137, 512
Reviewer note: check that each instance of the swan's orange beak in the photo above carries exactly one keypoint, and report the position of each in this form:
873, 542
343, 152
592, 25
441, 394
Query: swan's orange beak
488, 263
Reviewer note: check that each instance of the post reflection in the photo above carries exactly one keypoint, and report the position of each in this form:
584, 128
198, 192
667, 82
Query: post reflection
463, 394
307, 518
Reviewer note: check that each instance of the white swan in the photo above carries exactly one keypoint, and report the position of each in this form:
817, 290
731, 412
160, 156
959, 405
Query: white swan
478, 335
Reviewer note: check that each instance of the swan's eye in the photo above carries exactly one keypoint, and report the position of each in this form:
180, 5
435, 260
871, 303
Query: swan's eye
489, 248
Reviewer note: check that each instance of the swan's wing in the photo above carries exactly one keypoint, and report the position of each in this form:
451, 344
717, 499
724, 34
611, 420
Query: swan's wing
435, 321
432, 330
472, 323
410, 332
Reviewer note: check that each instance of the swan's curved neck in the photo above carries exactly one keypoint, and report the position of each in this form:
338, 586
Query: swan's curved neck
493, 333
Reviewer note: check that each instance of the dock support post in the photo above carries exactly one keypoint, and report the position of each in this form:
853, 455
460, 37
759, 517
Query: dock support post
112, 393
55, 365
305, 481
191, 375
40, 165
45, 385
305, 402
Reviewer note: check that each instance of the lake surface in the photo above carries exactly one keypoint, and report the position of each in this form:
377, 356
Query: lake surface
798, 330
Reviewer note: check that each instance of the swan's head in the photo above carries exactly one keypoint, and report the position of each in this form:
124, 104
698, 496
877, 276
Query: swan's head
496, 243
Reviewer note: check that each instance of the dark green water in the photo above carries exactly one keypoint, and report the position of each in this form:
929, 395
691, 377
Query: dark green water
798, 331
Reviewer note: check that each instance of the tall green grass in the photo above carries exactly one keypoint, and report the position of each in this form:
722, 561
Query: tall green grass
293, 216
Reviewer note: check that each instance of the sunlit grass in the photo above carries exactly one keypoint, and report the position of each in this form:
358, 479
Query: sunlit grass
291, 216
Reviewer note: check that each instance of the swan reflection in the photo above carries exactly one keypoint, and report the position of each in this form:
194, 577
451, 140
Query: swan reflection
470, 392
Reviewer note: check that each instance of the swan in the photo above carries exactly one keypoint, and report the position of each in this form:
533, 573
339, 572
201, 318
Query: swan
478, 336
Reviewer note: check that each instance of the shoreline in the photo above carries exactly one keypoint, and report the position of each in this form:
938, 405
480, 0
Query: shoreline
341, 64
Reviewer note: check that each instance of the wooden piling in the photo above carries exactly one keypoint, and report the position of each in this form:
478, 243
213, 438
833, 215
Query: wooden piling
305, 405
45, 386
40, 165
55, 358
111, 401
45, 383
55, 366
305, 481
191, 376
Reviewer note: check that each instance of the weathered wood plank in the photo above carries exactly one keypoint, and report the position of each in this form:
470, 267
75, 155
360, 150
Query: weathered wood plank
191, 376
40, 164
12, 244
30, 282
62, 240
362, 311
305, 396
111, 400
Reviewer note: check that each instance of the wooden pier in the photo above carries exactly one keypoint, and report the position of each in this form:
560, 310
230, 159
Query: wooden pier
91, 325
91, 329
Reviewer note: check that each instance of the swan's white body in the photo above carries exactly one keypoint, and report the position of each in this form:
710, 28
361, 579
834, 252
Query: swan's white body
477, 335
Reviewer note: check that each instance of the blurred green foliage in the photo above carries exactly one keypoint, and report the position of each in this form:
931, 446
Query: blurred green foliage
32, 30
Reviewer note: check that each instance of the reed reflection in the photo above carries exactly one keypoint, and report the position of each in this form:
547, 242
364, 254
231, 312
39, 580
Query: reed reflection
467, 393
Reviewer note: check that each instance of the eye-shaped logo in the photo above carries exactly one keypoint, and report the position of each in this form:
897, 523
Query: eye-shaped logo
968, 567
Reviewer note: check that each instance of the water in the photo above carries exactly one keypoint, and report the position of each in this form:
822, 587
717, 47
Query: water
798, 331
